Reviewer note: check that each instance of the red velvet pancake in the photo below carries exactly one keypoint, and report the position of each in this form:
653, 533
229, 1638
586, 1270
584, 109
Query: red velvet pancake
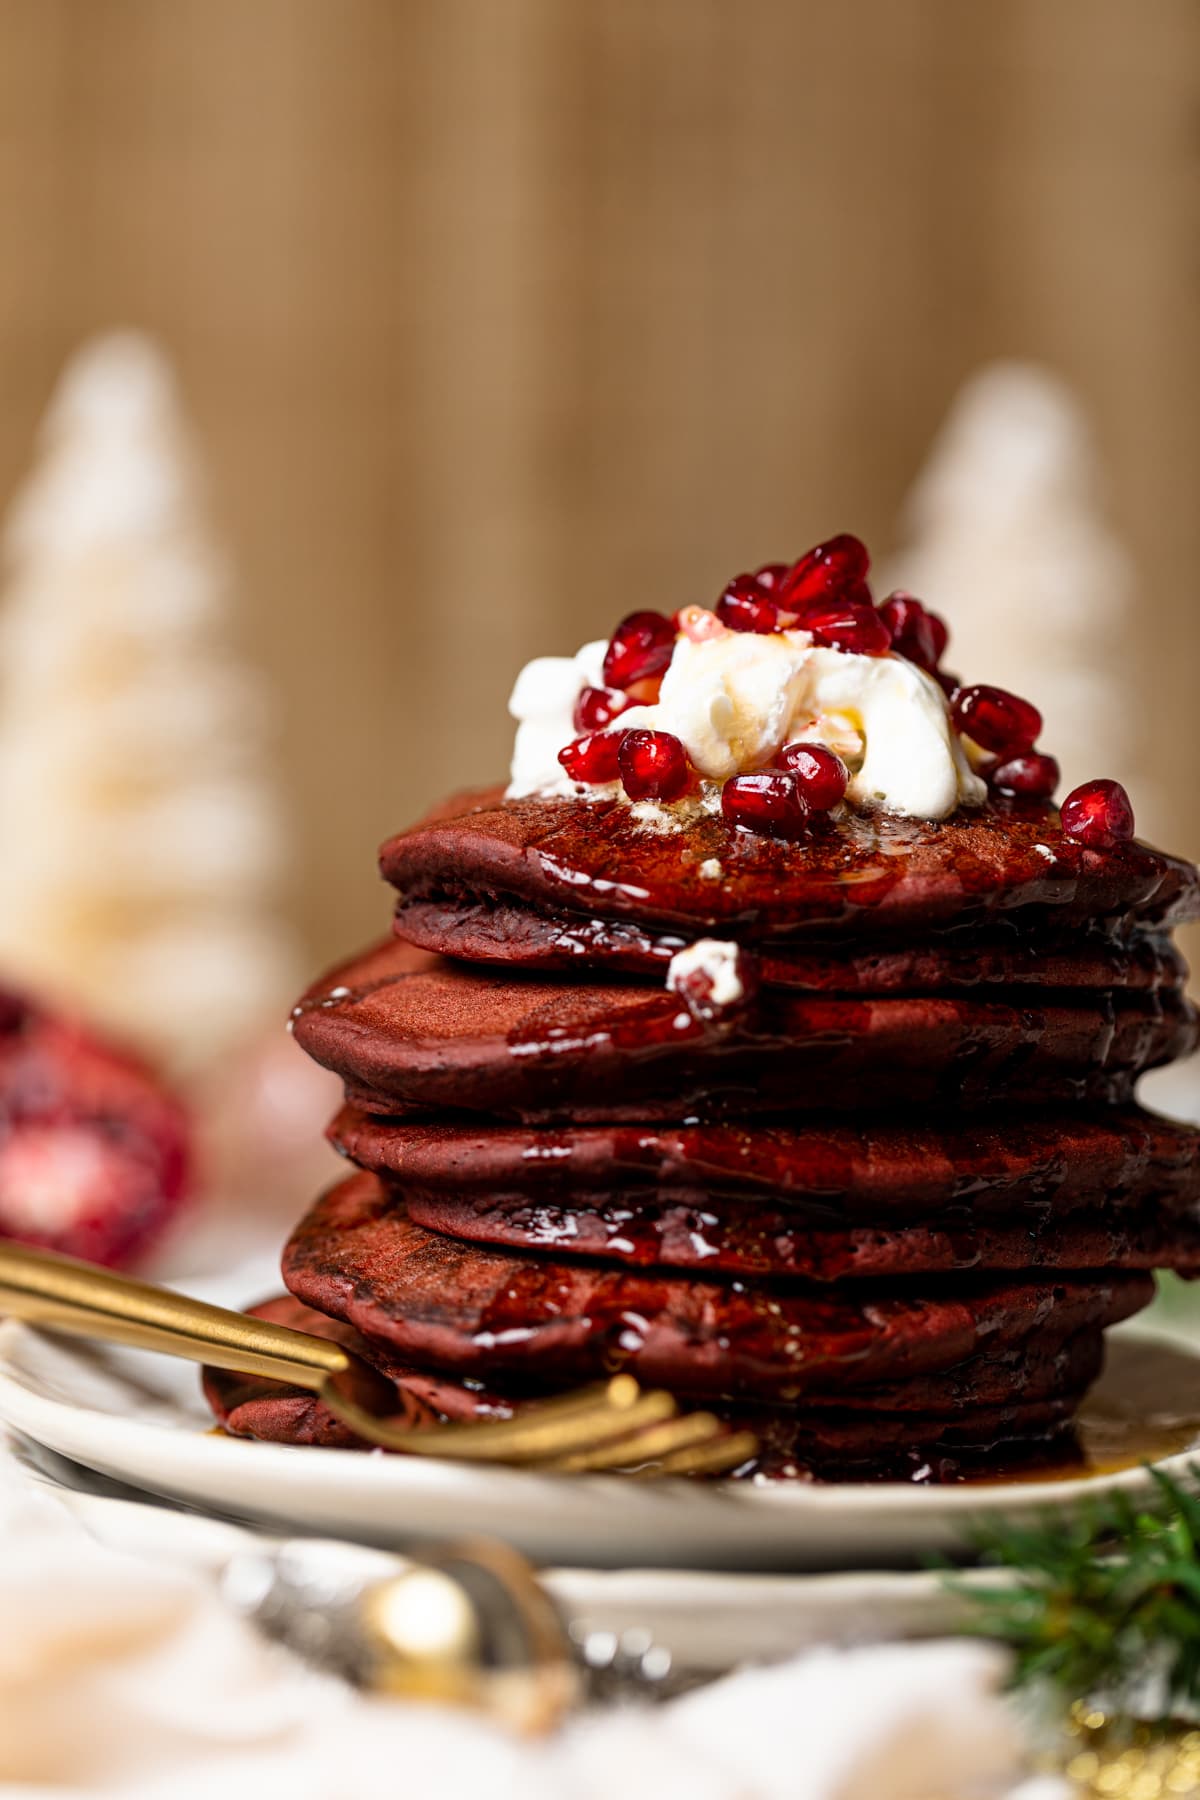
1009, 953
406, 1031
856, 1442
721, 1239
874, 1171
826, 1203
473, 1312
252, 1406
852, 875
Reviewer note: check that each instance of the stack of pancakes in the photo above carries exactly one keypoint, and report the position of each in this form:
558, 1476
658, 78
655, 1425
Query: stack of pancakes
879, 1206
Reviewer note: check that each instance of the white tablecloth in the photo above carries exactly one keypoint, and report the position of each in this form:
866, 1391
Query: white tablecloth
127, 1675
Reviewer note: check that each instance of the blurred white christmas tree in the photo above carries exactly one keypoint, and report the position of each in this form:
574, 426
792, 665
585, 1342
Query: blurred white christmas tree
1007, 535
141, 837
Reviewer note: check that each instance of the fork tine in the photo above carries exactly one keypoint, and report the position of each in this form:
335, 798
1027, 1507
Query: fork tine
644, 1446
530, 1440
585, 1403
610, 1426
543, 1431
716, 1457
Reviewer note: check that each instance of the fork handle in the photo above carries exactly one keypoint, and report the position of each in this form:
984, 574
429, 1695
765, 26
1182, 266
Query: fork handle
84, 1300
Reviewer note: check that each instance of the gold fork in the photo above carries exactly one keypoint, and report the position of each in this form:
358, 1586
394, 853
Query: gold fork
614, 1425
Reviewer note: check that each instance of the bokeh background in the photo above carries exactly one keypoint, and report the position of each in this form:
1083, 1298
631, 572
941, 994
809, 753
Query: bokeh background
496, 318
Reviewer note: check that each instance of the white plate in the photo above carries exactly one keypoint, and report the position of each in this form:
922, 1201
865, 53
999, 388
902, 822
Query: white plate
709, 1622
141, 1419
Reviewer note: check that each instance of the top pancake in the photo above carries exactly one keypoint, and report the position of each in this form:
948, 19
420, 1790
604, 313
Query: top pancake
852, 876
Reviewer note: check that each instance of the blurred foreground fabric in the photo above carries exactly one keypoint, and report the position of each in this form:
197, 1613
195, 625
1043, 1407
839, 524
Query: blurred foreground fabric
125, 1674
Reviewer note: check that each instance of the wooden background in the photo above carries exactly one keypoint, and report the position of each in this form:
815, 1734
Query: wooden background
499, 317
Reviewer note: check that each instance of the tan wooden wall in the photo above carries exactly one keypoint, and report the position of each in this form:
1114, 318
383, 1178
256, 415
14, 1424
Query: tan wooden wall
501, 316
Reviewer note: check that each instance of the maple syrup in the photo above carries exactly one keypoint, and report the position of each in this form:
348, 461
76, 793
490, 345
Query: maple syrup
1144, 1408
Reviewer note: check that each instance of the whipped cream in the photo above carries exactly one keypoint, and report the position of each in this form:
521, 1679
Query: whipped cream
543, 704
717, 964
734, 698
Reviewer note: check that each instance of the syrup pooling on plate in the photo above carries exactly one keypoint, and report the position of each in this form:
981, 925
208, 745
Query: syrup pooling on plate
1145, 1412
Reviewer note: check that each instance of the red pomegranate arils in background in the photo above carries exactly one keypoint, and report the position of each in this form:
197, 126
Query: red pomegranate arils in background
653, 765
592, 759
745, 606
771, 575
94, 1151
820, 775
1034, 776
996, 720
769, 803
825, 571
597, 707
641, 646
1099, 813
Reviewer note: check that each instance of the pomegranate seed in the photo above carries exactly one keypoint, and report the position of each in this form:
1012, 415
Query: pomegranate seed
825, 570
917, 633
598, 707
948, 683
770, 575
699, 624
593, 758
855, 628
820, 775
653, 765
641, 646
1034, 775
744, 606
1098, 813
996, 720
941, 634
769, 803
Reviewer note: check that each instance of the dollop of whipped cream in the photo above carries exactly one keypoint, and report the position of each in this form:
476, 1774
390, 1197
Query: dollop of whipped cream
735, 698
711, 967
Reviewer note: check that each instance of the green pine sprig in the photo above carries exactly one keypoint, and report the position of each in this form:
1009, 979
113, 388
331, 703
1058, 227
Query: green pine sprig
1105, 1600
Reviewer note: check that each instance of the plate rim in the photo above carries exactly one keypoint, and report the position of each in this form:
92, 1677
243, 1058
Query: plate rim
21, 1400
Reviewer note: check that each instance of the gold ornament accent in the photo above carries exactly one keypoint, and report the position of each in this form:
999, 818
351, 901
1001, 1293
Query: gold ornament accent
1118, 1760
